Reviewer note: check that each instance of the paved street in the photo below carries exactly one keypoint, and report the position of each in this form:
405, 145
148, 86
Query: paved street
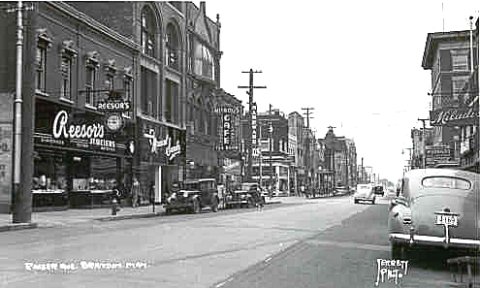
326, 242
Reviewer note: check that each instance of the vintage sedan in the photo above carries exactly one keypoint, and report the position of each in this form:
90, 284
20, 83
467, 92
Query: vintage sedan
436, 207
248, 195
195, 195
364, 193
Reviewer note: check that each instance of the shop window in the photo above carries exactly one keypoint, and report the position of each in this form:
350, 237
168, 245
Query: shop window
49, 172
148, 32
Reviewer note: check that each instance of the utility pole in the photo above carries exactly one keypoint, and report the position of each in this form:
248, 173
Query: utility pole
23, 124
270, 131
307, 114
424, 142
251, 137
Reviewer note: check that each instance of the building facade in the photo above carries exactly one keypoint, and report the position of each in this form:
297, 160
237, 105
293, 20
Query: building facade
450, 58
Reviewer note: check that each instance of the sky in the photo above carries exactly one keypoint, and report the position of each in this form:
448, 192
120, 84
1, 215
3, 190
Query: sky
357, 63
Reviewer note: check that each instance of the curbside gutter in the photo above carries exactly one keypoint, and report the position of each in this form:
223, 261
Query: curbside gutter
18, 226
129, 216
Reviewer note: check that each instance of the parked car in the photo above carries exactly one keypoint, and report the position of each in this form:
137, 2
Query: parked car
378, 190
195, 195
436, 207
365, 192
249, 195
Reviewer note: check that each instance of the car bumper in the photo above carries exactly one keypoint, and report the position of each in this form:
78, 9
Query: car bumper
425, 240
178, 205
236, 202
363, 199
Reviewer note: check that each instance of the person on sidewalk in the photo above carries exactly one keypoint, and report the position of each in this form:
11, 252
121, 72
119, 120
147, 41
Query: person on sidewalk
135, 192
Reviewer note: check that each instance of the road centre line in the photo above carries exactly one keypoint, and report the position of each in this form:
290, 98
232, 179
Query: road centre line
350, 245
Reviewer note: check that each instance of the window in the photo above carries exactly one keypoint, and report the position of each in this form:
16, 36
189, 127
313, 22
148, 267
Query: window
148, 92
203, 61
41, 68
148, 35
459, 60
66, 82
127, 89
171, 101
446, 182
171, 52
90, 83
458, 83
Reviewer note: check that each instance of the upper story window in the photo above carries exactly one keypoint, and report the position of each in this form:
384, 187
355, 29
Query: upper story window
41, 68
148, 32
43, 43
203, 61
127, 90
68, 54
148, 92
459, 60
172, 47
92, 65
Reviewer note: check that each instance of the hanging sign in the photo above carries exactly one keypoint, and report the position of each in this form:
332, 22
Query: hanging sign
155, 143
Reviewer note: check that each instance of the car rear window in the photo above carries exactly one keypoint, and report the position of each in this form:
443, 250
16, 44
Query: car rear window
446, 182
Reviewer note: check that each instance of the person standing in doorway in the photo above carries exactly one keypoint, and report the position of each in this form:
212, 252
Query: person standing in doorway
135, 192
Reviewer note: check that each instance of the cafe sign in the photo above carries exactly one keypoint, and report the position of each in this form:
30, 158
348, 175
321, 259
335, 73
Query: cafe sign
453, 117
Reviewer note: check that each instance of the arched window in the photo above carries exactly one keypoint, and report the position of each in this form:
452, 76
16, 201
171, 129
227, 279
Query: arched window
172, 47
203, 61
148, 32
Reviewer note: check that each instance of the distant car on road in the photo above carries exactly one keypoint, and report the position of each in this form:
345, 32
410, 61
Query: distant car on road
195, 195
378, 190
248, 195
364, 193
436, 207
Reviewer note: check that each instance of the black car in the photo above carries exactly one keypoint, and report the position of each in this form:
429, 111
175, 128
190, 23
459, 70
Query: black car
378, 190
195, 195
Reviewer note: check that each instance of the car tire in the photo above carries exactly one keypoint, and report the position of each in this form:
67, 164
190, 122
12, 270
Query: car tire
399, 251
168, 211
355, 201
215, 205
196, 207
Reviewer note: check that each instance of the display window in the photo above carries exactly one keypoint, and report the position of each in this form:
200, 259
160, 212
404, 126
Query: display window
49, 172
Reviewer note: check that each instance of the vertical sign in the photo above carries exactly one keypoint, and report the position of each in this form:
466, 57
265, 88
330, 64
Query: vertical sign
254, 125
227, 131
6, 137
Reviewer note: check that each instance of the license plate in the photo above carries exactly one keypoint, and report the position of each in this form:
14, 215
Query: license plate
449, 220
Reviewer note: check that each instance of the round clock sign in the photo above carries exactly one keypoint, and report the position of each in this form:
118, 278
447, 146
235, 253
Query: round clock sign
114, 122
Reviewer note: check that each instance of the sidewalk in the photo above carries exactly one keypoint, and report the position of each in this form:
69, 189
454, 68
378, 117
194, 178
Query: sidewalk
75, 216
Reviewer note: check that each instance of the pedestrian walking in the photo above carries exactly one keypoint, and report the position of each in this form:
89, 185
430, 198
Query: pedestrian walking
135, 192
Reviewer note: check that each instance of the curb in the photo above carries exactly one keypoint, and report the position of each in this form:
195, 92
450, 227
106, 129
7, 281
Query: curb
18, 226
129, 216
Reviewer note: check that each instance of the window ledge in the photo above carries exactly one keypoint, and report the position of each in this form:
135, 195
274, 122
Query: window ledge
90, 107
66, 100
40, 93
